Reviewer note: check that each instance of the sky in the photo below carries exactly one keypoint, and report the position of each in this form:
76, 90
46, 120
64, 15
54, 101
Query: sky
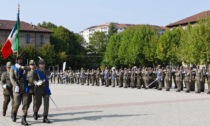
77, 15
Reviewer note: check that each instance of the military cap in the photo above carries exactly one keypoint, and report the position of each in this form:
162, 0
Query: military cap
41, 62
31, 62
9, 64
19, 57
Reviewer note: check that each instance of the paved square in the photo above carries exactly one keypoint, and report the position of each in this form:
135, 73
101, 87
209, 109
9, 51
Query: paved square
106, 106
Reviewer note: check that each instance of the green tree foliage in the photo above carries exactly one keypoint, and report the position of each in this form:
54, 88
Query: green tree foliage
28, 52
168, 46
98, 43
112, 29
47, 52
111, 54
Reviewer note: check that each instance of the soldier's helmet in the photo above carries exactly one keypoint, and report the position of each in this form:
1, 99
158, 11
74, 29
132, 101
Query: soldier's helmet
8, 64
32, 62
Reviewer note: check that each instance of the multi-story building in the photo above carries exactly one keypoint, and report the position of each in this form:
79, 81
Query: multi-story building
29, 33
190, 20
87, 33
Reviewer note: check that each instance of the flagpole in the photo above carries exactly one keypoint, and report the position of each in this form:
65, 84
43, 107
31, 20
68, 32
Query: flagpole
18, 19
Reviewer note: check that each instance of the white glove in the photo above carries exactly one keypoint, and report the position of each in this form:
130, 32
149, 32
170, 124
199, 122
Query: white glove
5, 86
17, 89
17, 65
39, 83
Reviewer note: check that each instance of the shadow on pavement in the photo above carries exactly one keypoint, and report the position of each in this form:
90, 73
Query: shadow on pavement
96, 117
74, 113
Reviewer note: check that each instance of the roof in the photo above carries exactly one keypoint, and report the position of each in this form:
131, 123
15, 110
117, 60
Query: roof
8, 25
192, 19
107, 24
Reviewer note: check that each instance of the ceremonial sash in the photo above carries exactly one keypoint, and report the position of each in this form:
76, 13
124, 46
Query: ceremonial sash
43, 77
24, 77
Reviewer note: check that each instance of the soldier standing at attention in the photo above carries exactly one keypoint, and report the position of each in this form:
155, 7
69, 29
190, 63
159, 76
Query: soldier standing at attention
113, 77
7, 88
97, 77
168, 78
178, 75
41, 90
159, 77
106, 77
120, 78
82, 76
20, 90
198, 78
208, 79
188, 79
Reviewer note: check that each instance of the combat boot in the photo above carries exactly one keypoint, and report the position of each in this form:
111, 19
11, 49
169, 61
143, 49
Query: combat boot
45, 120
13, 116
23, 121
35, 116
4, 113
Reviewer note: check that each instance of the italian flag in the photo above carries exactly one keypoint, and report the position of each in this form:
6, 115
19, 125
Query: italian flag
12, 43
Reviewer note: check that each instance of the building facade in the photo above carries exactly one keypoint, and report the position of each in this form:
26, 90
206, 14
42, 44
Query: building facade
29, 33
87, 33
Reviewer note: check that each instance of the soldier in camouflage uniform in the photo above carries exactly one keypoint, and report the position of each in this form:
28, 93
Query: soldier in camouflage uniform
145, 77
188, 79
113, 77
208, 79
178, 75
120, 74
20, 90
82, 76
198, 78
7, 88
97, 77
168, 78
106, 76
125, 77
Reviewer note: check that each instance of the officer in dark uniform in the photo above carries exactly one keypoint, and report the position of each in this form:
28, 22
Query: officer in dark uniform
41, 90
7, 88
20, 89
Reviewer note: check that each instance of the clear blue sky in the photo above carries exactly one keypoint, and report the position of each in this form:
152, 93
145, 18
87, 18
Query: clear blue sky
77, 15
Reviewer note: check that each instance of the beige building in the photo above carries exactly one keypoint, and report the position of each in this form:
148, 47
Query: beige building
29, 33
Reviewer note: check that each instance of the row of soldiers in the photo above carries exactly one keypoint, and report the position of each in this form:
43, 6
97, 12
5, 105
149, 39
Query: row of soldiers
24, 84
144, 77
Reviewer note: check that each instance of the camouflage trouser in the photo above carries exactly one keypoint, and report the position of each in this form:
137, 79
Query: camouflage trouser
113, 82
7, 99
208, 86
178, 83
198, 84
120, 82
188, 85
97, 82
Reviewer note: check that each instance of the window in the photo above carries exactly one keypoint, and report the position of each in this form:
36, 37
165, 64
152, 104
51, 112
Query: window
41, 39
28, 38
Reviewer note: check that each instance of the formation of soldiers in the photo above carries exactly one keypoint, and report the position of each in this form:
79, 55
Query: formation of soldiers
24, 84
193, 79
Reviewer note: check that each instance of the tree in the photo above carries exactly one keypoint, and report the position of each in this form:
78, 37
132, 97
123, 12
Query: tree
111, 54
28, 52
47, 52
112, 29
98, 43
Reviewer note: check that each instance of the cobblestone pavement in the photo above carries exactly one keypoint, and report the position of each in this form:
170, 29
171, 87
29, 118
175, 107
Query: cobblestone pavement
107, 106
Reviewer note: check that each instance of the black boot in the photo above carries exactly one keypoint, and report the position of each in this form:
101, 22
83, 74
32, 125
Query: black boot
35, 115
45, 120
13, 116
24, 122
4, 113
